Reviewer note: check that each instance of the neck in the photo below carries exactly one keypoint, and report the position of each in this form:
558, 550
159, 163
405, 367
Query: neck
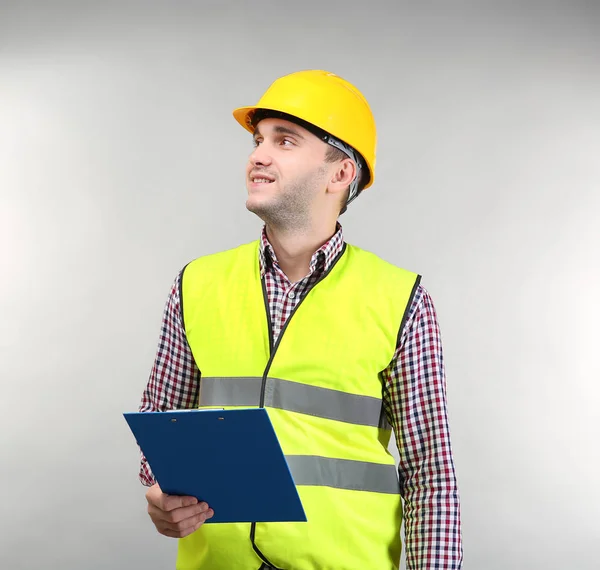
294, 250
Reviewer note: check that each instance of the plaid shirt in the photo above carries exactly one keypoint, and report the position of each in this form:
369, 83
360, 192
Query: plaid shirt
414, 400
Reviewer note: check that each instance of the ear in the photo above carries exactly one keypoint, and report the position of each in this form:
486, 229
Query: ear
342, 177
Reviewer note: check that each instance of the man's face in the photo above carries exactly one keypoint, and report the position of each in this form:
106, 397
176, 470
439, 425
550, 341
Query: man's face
286, 173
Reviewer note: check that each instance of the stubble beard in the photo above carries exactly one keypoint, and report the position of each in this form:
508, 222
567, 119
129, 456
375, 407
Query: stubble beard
290, 211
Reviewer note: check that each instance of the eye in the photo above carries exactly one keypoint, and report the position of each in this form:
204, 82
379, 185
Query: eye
287, 142
255, 142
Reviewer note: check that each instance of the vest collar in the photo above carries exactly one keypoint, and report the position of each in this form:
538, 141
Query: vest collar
328, 251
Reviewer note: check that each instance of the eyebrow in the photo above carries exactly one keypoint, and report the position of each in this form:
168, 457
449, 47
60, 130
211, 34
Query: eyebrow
281, 131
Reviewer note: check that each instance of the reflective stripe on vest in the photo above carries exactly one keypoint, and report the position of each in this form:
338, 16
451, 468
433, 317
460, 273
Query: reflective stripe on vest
343, 474
293, 397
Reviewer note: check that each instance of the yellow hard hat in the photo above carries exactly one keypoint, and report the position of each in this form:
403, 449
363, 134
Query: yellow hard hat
327, 101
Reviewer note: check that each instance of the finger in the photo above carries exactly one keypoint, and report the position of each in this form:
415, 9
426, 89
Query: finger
194, 528
166, 502
172, 502
163, 520
170, 533
176, 534
188, 525
176, 515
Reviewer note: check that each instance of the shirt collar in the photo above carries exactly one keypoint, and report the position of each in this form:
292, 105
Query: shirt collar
323, 257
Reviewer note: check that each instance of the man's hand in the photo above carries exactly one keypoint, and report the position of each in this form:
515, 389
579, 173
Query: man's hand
176, 516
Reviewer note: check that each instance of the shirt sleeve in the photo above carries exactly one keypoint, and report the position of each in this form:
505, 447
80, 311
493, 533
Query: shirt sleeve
415, 403
174, 378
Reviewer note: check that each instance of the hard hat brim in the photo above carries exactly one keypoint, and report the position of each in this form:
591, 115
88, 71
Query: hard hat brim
243, 115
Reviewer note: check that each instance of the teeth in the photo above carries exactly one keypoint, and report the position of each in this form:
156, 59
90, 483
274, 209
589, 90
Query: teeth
260, 180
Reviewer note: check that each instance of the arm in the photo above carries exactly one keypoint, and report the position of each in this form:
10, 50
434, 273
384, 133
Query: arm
174, 378
415, 401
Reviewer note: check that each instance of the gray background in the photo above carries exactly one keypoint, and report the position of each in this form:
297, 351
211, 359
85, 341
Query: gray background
120, 161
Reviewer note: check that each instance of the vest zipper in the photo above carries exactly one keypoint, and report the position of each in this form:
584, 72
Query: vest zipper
269, 322
273, 351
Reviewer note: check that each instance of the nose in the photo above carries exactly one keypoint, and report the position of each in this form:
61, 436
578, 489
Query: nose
260, 156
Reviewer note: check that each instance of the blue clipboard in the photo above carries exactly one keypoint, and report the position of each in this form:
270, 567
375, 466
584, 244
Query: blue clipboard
231, 459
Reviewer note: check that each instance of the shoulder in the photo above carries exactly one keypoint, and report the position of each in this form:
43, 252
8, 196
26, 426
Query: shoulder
221, 262
421, 317
220, 257
373, 262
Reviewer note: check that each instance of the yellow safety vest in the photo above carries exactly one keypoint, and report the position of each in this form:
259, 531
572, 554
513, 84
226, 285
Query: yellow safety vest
321, 385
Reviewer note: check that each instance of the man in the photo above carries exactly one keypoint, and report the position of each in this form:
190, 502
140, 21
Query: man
339, 346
